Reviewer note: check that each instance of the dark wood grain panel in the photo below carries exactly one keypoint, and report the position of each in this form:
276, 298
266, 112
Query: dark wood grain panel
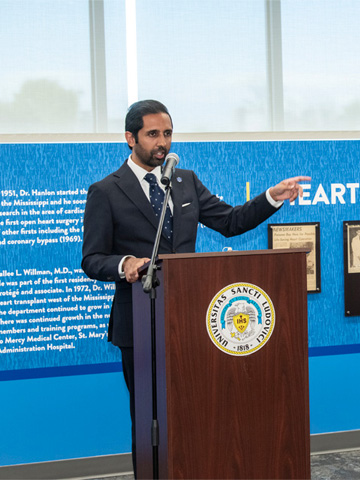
226, 416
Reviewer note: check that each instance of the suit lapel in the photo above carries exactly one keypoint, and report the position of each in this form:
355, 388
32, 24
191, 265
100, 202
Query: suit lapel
129, 184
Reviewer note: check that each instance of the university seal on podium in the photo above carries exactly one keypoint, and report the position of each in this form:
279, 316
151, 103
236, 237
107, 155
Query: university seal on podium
240, 319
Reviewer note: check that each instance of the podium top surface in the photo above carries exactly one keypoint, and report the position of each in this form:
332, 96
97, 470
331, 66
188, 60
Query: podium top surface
279, 251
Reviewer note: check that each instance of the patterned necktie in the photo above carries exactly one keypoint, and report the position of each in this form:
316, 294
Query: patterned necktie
157, 196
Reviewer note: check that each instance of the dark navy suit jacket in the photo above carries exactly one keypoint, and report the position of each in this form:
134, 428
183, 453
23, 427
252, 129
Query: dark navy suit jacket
119, 220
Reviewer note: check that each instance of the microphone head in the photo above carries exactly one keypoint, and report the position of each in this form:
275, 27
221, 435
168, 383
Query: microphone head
172, 156
171, 160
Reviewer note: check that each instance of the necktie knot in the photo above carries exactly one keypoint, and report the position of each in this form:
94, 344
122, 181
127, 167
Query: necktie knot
150, 178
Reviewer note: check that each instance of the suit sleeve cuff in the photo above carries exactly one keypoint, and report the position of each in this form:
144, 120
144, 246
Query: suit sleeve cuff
120, 266
274, 203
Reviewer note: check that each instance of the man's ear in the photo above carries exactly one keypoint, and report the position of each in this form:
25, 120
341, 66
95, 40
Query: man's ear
130, 139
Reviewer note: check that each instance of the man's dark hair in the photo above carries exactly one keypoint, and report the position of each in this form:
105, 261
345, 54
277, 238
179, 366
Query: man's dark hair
134, 118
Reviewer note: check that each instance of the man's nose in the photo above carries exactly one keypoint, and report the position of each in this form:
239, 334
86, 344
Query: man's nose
161, 140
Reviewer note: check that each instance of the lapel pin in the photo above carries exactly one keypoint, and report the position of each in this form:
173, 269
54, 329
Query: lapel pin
179, 179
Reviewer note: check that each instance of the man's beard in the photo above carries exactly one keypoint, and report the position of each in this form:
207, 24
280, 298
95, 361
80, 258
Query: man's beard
151, 160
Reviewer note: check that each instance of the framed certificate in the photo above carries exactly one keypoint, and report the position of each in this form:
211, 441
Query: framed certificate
300, 235
351, 235
352, 241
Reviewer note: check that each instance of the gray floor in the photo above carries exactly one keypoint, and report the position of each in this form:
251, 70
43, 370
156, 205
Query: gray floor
333, 466
330, 466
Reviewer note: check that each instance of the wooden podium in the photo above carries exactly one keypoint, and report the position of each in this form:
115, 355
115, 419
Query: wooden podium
224, 416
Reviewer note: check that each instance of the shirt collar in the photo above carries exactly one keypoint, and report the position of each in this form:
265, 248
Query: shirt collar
141, 172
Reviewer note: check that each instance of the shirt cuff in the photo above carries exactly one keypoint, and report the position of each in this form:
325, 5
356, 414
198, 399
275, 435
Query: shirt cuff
274, 203
120, 266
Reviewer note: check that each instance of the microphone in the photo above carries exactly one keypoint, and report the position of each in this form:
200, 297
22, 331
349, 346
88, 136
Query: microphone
171, 161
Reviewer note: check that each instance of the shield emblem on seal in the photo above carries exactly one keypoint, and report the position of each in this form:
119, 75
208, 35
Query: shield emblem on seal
241, 321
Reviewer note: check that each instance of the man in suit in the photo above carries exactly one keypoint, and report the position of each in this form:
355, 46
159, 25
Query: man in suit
120, 223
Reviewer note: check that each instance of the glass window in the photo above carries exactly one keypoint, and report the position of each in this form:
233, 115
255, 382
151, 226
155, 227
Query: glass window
206, 61
321, 64
45, 82
115, 47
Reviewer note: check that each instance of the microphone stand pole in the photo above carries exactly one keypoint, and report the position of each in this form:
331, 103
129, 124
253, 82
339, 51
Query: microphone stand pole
150, 282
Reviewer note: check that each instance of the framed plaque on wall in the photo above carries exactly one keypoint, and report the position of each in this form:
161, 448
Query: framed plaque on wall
351, 234
300, 235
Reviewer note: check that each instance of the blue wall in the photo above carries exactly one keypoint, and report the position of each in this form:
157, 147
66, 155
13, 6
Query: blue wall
63, 411
63, 417
334, 393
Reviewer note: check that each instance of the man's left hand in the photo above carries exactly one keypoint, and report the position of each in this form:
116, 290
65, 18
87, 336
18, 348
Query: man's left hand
288, 189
